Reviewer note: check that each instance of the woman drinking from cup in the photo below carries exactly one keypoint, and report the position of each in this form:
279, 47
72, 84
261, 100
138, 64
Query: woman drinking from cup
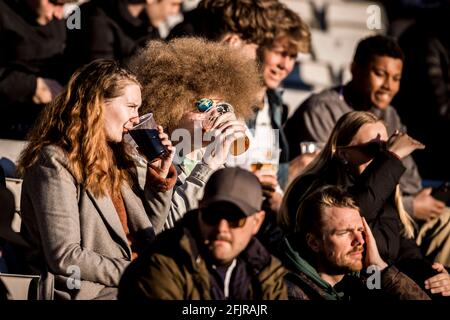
84, 213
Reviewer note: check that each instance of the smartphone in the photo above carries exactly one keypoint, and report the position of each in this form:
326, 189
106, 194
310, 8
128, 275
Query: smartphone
442, 192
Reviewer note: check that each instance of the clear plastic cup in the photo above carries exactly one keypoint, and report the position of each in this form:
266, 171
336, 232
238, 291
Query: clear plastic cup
146, 136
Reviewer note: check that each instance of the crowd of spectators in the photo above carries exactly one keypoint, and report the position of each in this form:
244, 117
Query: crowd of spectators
101, 219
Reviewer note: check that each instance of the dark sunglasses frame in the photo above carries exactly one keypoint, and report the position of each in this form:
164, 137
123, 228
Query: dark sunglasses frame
214, 218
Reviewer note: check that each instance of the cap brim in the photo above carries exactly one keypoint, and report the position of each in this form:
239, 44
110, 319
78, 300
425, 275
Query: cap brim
242, 206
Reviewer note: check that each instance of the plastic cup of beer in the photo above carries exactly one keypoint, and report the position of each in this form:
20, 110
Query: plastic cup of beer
211, 112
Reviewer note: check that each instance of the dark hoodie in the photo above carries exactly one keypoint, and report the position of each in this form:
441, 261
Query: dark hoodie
109, 31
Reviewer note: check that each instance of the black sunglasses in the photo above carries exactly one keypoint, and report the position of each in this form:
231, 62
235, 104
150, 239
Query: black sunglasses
213, 218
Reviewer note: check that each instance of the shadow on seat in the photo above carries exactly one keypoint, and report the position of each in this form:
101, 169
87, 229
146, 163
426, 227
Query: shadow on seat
20, 287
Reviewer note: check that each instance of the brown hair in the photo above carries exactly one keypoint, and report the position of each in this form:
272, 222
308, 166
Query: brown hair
176, 74
74, 122
289, 25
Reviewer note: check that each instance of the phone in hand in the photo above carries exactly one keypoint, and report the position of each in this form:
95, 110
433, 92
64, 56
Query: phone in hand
442, 192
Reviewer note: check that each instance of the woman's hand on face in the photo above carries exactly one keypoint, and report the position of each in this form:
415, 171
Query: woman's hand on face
163, 165
403, 145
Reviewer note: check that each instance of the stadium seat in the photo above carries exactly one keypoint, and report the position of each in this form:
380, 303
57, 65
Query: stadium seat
304, 9
20, 287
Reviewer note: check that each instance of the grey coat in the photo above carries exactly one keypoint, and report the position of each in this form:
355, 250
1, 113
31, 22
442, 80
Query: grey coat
76, 236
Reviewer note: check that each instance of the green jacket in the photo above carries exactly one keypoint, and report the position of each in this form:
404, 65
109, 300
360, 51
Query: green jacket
174, 269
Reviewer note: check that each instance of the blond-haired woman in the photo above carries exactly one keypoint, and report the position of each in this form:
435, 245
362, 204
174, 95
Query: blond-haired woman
360, 157
176, 75
84, 213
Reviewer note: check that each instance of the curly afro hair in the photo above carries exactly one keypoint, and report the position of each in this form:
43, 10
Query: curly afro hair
175, 74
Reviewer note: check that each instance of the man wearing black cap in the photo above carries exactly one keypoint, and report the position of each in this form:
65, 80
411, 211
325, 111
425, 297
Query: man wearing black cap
212, 252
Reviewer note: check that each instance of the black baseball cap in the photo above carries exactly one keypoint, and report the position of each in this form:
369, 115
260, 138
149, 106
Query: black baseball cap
236, 186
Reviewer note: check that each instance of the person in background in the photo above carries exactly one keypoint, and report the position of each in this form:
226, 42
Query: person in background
245, 24
33, 34
212, 253
329, 254
175, 76
84, 213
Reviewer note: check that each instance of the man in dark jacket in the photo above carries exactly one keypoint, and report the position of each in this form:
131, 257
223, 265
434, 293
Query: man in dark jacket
326, 254
211, 253
33, 37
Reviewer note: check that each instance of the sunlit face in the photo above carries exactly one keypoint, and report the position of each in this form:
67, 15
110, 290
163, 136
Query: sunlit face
46, 10
159, 10
120, 113
380, 80
367, 133
278, 61
223, 239
340, 250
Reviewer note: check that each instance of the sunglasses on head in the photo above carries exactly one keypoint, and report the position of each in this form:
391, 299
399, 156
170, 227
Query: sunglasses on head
213, 218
